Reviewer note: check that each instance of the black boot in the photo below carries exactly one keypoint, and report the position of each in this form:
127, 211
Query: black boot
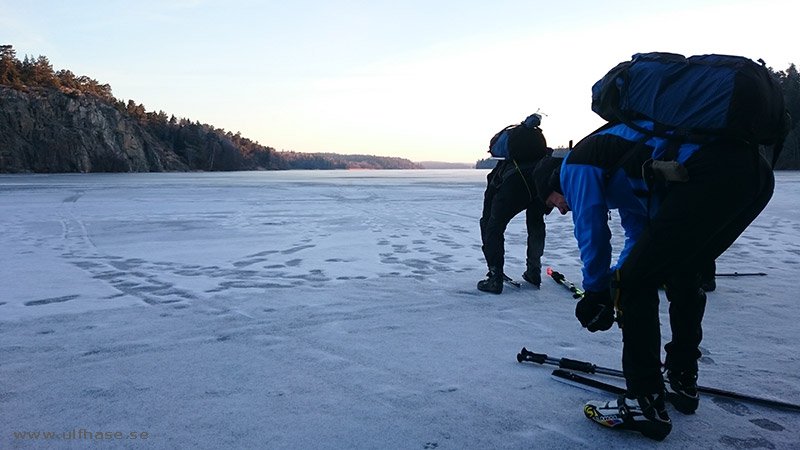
533, 272
493, 282
533, 277
684, 396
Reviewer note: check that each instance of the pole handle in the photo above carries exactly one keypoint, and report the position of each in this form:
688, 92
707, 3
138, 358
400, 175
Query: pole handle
529, 356
563, 363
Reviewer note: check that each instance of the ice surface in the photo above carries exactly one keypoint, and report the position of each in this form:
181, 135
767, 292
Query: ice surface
338, 310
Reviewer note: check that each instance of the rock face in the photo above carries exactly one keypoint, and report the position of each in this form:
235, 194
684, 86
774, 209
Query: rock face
47, 131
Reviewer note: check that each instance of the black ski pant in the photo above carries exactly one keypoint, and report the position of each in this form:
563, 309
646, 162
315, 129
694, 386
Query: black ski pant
501, 203
696, 222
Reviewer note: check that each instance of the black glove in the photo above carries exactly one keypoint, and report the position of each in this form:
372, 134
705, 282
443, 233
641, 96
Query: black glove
595, 311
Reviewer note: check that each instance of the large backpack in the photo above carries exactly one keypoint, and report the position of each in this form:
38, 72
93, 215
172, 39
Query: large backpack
707, 95
522, 142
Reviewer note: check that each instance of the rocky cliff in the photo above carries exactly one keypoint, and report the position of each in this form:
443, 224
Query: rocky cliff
46, 130
56, 130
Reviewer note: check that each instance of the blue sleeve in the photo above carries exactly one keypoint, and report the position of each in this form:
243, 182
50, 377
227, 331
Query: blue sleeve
633, 224
586, 197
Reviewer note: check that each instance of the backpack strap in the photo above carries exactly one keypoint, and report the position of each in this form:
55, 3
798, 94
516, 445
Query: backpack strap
530, 193
497, 135
608, 173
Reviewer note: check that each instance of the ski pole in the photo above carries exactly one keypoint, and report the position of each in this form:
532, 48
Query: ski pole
560, 279
564, 363
741, 274
527, 356
574, 378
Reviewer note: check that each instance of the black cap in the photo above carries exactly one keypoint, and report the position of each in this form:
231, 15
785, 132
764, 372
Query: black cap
547, 177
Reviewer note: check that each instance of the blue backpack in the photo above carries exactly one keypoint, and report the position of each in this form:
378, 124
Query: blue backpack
522, 142
696, 97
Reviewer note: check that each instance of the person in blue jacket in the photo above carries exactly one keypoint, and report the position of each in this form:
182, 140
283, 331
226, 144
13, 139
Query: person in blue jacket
681, 205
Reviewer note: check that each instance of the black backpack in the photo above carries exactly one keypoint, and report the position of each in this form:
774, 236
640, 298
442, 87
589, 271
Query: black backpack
522, 142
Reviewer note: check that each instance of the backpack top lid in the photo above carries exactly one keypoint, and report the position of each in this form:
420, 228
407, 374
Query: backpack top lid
533, 121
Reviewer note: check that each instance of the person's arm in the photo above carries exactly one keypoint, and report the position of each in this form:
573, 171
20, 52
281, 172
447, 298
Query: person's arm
585, 192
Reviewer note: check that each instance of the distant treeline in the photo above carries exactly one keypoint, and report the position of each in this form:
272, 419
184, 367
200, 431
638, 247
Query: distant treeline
199, 146
205, 147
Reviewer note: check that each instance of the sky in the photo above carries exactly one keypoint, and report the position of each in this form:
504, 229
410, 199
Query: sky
339, 310
427, 81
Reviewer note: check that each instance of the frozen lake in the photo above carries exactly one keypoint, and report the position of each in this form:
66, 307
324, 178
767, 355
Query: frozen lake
338, 309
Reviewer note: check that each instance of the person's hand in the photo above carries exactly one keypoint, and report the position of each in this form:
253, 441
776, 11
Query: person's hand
595, 311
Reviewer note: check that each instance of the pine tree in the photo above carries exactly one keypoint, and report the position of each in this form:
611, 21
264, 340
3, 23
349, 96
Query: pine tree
9, 72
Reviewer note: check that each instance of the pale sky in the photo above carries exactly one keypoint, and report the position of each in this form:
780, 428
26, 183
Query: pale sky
419, 79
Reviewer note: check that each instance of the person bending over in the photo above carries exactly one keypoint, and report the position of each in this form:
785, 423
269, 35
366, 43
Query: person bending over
681, 206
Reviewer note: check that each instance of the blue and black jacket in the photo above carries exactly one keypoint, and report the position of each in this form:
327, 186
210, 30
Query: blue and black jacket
604, 172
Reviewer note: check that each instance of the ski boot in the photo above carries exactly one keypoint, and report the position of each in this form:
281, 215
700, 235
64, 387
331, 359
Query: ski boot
534, 278
493, 282
645, 414
683, 387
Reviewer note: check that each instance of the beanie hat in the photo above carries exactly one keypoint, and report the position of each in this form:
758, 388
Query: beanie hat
547, 177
